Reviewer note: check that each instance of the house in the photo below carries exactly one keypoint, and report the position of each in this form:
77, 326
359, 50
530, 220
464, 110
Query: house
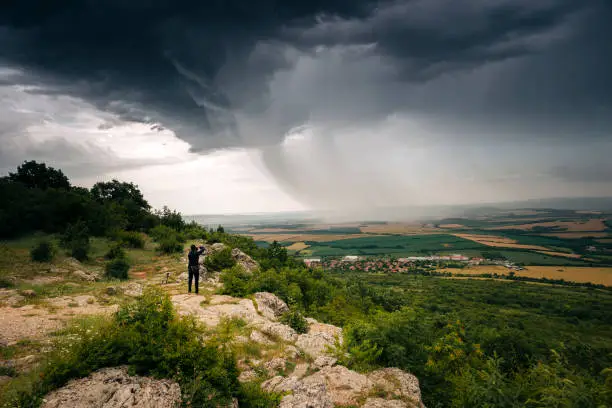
591, 248
312, 261
350, 258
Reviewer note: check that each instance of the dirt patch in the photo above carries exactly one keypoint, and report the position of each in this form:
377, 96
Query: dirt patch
453, 226
36, 321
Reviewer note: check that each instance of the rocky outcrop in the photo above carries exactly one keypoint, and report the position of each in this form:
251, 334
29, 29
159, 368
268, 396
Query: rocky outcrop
279, 331
398, 383
114, 388
324, 361
319, 338
344, 386
383, 403
242, 259
270, 306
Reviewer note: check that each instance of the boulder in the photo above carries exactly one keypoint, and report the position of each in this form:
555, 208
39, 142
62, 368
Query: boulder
259, 337
292, 352
216, 247
275, 365
280, 331
133, 290
319, 338
114, 388
382, 403
398, 383
85, 276
270, 305
242, 259
247, 376
303, 395
344, 386
324, 361
111, 290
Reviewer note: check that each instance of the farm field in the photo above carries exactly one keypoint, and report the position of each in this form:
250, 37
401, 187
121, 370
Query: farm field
495, 241
593, 224
596, 275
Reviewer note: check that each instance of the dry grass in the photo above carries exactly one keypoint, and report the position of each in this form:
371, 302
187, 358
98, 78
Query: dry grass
399, 228
569, 273
594, 224
297, 246
499, 242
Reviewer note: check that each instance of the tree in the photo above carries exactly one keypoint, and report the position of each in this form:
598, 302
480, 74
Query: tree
221, 229
120, 192
38, 175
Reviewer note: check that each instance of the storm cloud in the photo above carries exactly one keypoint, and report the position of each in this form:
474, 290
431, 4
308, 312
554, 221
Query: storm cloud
330, 92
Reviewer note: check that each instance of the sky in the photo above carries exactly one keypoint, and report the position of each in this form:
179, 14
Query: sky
352, 106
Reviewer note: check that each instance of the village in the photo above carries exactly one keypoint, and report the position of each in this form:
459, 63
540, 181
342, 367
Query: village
406, 264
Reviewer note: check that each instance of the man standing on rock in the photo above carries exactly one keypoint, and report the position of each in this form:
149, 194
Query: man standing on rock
194, 266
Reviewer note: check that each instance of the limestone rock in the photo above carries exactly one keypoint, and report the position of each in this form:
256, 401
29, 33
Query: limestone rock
259, 337
398, 383
324, 361
85, 276
275, 365
270, 305
344, 386
319, 338
382, 403
292, 352
114, 388
133, 290
279, 330
216, 247
300, 370
242, 259
281, 384
247, 376
308, 396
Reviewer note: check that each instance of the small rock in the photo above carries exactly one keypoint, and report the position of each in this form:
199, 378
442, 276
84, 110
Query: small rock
292, 352
111, 290
270, 305
29, 293
84, 276
324, 361
217, 247
133, 290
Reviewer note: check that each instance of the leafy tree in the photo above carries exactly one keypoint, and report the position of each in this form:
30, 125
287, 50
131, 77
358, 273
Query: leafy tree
43, 252
76, 240
220, 260
38, 175
117, 268
171, 219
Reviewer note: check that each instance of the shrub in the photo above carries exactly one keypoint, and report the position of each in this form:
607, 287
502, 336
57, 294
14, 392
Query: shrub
115, 252
169, 246
220, 260
296, 321
76, 240
235, 281
117, 268
161, 232
43, 252
131, 239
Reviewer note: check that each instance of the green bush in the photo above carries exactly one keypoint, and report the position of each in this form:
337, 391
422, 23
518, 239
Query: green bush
296, 321
220, 260
115, 252
131, 239
169, 246
149, 337
235, 281
76, 240
117, 269
43, 252
162, 232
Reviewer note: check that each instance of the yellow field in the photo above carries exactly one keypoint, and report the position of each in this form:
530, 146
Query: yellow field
452, 226
594, 224
399, 228
297, 237
297, 246
565, 254
569, 273
499, 242
575, 235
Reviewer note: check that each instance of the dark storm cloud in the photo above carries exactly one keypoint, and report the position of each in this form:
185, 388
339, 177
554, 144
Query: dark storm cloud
200, 68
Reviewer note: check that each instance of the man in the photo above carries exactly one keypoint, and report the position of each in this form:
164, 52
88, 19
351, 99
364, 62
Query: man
194, 266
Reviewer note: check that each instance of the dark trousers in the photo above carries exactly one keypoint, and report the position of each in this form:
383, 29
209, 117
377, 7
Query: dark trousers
194, 272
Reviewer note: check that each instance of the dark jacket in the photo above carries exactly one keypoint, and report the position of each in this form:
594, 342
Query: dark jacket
194, 257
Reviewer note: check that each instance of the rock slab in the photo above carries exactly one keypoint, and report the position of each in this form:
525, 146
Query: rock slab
114, 388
